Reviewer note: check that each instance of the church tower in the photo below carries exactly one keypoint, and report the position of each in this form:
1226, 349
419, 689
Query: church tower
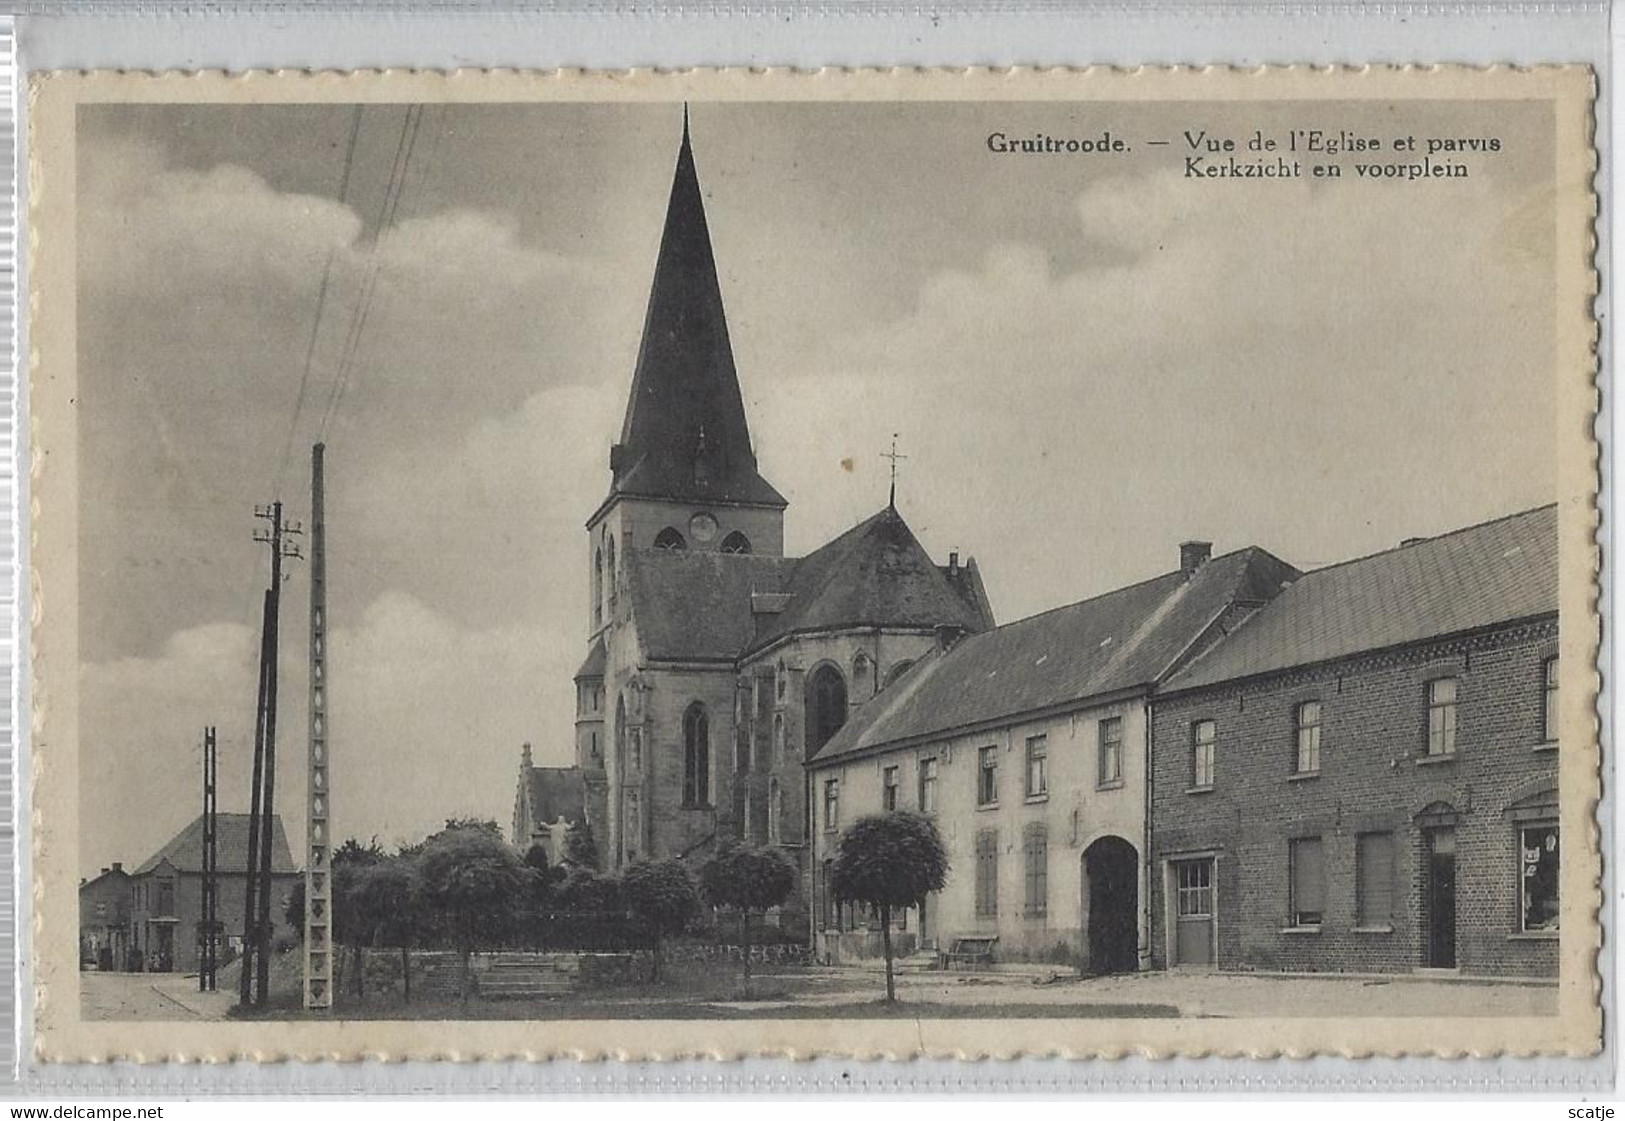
683, 474
686, 504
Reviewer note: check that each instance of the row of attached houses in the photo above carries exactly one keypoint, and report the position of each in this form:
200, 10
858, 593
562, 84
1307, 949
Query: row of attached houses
1235, 764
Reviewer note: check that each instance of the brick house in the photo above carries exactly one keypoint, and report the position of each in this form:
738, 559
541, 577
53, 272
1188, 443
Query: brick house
1364, 776
1028, 744
714, 662
166, 893
104, 919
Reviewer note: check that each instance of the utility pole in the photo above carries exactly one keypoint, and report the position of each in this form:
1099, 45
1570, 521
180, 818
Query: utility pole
251, 895
318, 831
209, 922
262, 812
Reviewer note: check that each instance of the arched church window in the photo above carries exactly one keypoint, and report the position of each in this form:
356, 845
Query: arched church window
775, 812
826, 707
610, 574
598, 588
696, 756
898, 671
736, 543
670, 540
619, 734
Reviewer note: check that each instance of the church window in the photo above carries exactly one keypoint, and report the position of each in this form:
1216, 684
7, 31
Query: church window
775, 812
598, 588
778, 740
609, 574
832, 804
826, 706
670, 540
736, 543
634, 824
696, 756
898, 671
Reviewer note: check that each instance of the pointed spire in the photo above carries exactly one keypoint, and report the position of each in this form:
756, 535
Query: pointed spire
686, 404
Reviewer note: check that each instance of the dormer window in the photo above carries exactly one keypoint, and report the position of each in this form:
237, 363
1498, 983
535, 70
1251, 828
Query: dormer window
736, 543
670, 540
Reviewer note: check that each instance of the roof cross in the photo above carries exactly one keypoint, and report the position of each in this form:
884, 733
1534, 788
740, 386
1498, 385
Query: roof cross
894, 456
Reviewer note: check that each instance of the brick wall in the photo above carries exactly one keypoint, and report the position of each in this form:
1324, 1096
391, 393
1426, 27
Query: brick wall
1374, 776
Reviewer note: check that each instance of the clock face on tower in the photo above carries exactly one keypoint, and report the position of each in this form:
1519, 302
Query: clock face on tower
702, 527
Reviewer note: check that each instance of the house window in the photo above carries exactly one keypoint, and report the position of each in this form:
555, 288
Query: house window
987, 776
1110, 770
987, 873
166, 897
1548, 708
1538, 875
1308, 871
1374, 879
1203, 735
832, 804
928, 786
1194, 888
1442, 717
736, 543
1035, 848
1037, 766
696, 756
888, 793
670, 540
1307, 761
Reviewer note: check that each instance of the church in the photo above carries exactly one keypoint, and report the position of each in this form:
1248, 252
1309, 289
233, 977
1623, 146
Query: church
715, 664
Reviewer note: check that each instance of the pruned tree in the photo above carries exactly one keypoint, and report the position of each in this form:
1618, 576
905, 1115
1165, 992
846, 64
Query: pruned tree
662, 896
747, 880
476, 882
388, 898
888, 861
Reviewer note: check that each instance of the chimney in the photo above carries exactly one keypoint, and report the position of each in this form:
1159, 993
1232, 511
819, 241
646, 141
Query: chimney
524, 759
105, 871
1193, 555
948, 635
953, 562
118, 865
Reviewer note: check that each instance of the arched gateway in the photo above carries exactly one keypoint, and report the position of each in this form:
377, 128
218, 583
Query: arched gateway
1112, 896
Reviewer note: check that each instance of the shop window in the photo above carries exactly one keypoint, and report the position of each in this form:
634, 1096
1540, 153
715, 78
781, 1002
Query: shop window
1538, 911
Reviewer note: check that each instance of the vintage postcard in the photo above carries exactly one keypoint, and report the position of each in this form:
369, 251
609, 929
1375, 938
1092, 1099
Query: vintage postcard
793, 563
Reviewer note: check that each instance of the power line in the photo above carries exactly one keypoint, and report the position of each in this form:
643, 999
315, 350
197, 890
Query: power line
321, 303
392, 198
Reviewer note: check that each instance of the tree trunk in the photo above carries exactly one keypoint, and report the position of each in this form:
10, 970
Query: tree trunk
885, 938
744, 944
406, 973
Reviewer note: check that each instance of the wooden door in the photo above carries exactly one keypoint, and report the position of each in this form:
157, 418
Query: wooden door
1193, 912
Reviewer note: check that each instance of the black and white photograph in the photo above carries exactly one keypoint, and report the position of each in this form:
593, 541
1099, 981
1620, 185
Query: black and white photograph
1094, 553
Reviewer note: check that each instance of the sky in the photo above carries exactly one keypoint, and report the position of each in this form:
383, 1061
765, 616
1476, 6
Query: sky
1086, 360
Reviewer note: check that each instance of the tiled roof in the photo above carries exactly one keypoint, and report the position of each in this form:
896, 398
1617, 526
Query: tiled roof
596, 659
185, 852
1125, 639
693, 605
557, 792
875, 574
1487, 574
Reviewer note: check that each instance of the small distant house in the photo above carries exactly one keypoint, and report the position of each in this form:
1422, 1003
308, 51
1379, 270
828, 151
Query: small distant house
166, 894
104, 919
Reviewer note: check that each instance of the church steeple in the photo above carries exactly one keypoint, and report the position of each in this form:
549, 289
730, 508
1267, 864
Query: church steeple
685, 437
